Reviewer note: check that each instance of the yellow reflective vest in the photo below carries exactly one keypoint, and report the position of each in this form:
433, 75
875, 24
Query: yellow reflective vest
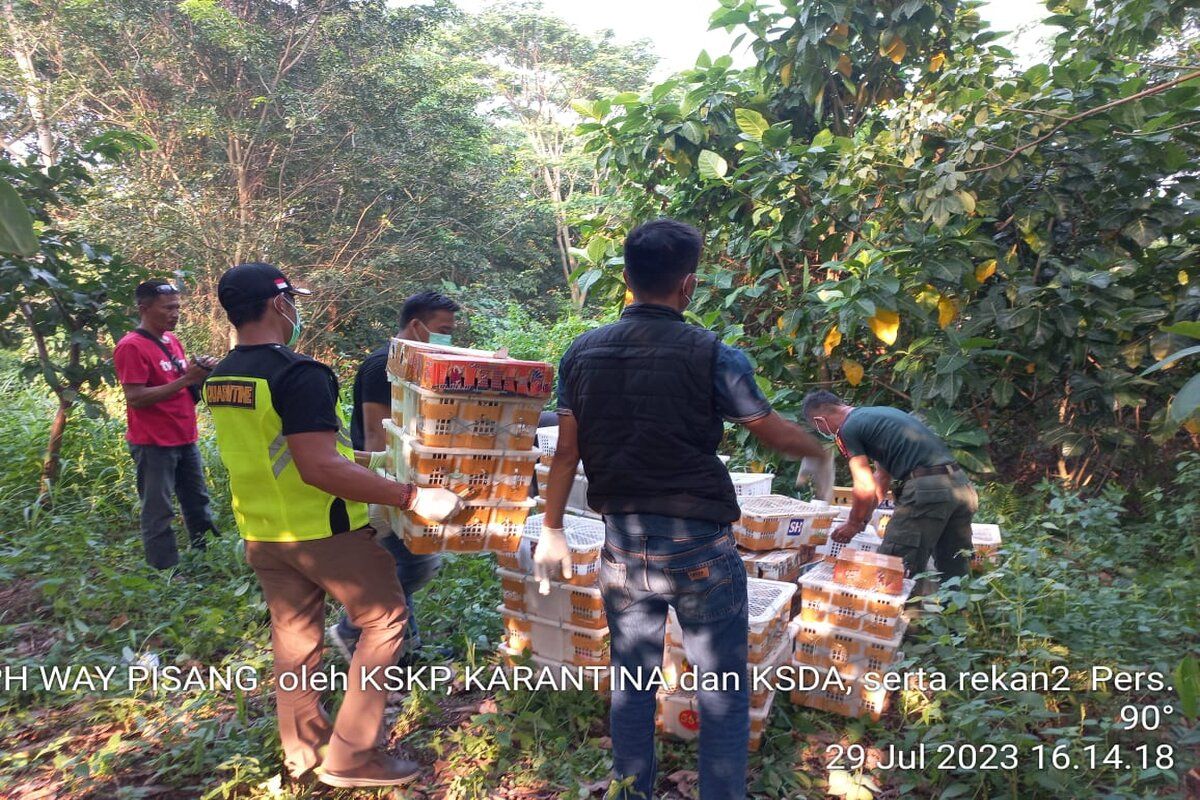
270, 501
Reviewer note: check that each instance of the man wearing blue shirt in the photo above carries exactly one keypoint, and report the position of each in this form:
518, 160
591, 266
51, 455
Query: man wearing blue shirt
643, 402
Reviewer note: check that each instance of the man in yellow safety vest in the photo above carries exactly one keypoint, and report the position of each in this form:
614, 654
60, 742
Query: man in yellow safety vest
300, 501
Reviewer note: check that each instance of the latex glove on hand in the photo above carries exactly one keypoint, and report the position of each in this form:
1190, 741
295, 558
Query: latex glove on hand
435, 504
551, 557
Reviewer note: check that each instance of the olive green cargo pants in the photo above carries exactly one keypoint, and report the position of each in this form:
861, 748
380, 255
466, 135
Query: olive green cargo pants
933, 517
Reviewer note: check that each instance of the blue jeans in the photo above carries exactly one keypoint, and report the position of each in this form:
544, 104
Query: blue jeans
650, 562
413, 572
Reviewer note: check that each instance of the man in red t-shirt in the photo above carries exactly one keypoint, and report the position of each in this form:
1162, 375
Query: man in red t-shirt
157, 378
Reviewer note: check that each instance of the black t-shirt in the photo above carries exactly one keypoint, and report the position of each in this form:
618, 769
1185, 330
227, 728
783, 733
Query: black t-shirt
304, 391
370, 386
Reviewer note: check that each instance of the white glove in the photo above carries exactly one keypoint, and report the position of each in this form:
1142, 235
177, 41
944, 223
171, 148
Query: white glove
435, 504
378, 460
551, 557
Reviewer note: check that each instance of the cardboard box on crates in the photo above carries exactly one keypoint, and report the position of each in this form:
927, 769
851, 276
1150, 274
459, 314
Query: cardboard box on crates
585, 538
843, 495
563, 675
477, 421
769, 605
473, 474
773, 522
873, 571
986, 541
490, 525
679, 716
581, 606
452, 369
558, 641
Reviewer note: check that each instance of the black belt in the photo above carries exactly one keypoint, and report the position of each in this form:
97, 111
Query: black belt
924, 472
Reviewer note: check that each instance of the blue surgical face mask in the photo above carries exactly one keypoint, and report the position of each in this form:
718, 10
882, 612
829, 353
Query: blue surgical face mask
297, 324
442, 339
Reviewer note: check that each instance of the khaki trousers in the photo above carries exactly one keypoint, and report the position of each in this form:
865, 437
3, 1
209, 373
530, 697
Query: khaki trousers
295, 578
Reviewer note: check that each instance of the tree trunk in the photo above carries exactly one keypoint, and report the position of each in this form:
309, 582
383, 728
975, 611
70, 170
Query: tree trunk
23, 54
52, 461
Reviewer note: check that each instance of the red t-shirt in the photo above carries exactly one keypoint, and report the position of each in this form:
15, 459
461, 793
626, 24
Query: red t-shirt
167, 423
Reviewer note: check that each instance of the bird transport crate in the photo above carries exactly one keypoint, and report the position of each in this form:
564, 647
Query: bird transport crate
477, 421
576, 498
770, 604
559, 641
866, 539
547, 442
843, 495
813, 641
986, 541
752, 484
475, 475
675, 663
585, 539
479, 526
858, 702
561, 674
402, 354
679, 716
582, 606
825, 601
773, 522
776, 565
881, 518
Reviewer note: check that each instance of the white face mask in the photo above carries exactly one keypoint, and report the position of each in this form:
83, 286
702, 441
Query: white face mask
297, 324
823, 429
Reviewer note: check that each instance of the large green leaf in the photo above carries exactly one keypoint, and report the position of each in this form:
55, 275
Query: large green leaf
752, 123
16, 225
1187, 401
1171, 359
1188, 329
712, 166
1187, 685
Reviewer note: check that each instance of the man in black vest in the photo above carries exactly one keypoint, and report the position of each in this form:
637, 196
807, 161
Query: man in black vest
642, 402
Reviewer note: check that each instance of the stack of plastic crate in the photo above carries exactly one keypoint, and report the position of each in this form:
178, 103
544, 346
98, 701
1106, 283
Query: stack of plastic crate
769, 646
566, 627
775, 522
851, 621
465, 420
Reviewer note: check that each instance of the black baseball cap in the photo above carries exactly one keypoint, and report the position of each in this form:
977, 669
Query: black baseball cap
249, 283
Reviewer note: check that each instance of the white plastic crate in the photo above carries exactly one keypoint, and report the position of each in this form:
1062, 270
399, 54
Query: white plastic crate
473, 474
547, 669
985, 540
585, 538
857, 703
558, 641
477, 421
679, 715
490, 525
752, 484
770, 605
581, 606
773, 522
675, 664
576, 498
873, 613
866, 539
818, 643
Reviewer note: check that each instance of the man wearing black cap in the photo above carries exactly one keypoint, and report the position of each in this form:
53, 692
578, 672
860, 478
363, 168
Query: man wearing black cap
161, 388
300, 500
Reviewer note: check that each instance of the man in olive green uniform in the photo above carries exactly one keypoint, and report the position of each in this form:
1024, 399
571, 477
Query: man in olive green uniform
935, 501
300, 501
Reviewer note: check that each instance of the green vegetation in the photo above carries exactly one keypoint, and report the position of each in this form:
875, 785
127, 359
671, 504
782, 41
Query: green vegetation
895, 208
